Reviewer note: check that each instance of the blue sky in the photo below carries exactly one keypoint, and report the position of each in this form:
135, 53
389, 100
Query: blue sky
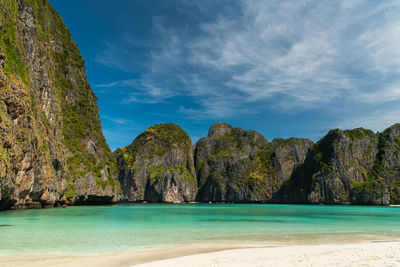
283, 68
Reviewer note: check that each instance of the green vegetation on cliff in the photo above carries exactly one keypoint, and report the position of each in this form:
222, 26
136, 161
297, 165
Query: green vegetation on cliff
358, 133
340, 169
44, 87
10, 41
78, 103
158, 166
157, 139
242, 166
170, 135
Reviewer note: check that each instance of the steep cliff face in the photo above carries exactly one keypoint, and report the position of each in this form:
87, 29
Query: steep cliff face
338, 170
158, 166
387, 165
242, 166
51, 145
344, 167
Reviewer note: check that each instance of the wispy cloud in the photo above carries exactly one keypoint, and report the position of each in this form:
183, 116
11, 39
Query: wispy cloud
117, 120
279, 55
122, 83
376, 120
139, 90
120, 131
114, 56
122, 123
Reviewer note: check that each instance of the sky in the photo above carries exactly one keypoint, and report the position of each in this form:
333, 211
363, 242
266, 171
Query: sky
283, 68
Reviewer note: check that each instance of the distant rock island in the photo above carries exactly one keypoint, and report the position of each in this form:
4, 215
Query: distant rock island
235, 165
53, 152
158, 166
347, 167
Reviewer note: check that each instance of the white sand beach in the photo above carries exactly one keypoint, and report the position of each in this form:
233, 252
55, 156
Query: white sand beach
369, 254
374, 253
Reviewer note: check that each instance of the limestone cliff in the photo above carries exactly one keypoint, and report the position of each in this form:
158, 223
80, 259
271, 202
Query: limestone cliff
242, 166
158, 166
340, 169
52, 149
387, 164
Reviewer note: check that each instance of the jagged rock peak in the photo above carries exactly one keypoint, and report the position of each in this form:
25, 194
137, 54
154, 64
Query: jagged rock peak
221, 129
338, 171
242, 166
167, 134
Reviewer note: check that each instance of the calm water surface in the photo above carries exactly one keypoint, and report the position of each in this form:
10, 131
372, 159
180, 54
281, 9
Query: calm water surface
99, 229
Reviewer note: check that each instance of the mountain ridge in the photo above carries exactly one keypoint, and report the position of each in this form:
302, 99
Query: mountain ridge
344, 167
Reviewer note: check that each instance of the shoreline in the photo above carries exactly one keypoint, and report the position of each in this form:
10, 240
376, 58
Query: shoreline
300, 253
33, 207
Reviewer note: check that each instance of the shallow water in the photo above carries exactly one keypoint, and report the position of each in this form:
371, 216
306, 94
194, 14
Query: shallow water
101, 229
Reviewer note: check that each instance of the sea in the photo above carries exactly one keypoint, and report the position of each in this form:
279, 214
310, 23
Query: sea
133, 227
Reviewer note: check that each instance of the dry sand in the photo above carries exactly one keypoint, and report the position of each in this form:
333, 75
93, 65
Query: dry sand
367, 254
355, 254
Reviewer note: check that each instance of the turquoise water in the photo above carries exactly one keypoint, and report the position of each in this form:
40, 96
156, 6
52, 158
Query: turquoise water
99, 229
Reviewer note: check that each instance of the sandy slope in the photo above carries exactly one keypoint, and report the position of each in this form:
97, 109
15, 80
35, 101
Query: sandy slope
366, 254
356, 254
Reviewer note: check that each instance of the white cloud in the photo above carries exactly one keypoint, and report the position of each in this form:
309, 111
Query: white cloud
122, 83
128, 124
377, 120
140, 90
119, 131
116, 120
280, 55
113, 56
389, 93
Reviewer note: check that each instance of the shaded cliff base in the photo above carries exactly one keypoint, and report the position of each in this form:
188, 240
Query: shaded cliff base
6, 204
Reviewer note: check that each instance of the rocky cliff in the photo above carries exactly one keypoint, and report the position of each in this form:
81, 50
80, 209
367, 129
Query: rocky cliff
52, 149
242, 166
345, 167
387, 163
234, 165
158, 166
